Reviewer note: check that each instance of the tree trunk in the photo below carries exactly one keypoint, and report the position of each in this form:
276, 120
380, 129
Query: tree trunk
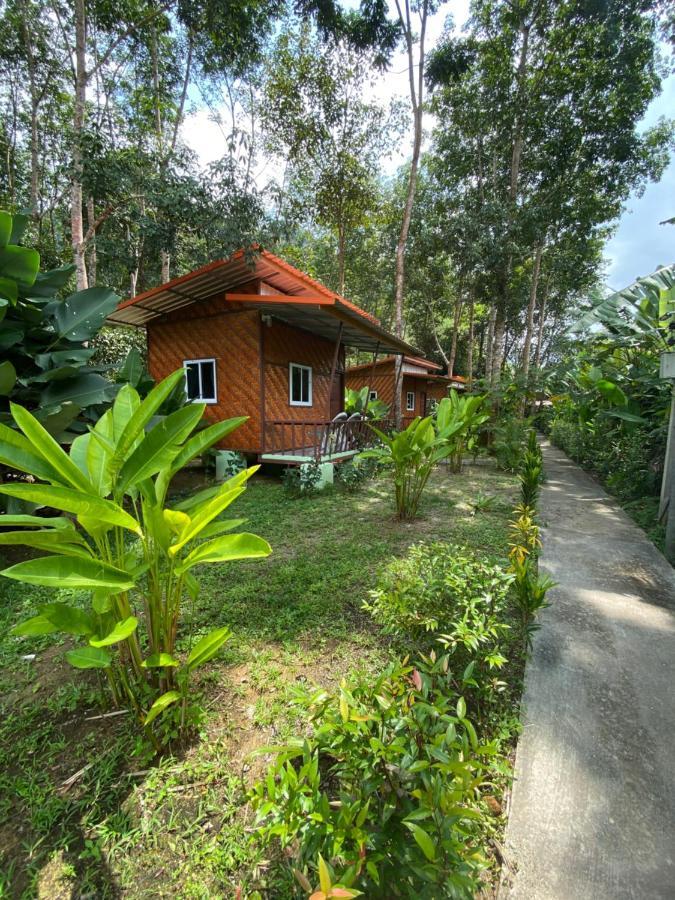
469, 349
34, 105
455, 330
341, 260
540, 333
417, 100
499, 343
166, 266
529, 328
489, 344
76, 226
91, 246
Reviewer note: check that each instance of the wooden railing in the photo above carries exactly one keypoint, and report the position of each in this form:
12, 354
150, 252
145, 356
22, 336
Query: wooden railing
317, 439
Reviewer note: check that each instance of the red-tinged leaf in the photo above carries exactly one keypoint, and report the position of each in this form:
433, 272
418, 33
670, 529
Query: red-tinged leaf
417, 679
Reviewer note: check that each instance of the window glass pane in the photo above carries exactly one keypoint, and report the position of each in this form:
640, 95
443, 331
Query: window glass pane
192, 370
305, 385
411, 400
296, 384
208, 381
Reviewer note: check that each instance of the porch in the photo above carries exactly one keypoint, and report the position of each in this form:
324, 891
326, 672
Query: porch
294, 443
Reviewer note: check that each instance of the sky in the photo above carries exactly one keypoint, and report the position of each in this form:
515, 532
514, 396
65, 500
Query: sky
640, 243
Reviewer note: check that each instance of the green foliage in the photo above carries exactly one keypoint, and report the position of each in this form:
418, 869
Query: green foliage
351, 475
440, 590
529, 592
386, 783
413, 453
358, 402
470, 410
44, 338
508, 447
132, 562
531, 472
302, 480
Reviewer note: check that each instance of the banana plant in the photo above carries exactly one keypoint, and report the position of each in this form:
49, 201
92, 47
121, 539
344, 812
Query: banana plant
117, 538
413, 453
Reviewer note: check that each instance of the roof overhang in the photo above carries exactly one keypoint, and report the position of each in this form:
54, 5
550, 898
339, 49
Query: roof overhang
301, 302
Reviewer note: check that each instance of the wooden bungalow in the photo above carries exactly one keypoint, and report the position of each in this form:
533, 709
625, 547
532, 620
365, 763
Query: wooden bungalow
258, 337
421, 383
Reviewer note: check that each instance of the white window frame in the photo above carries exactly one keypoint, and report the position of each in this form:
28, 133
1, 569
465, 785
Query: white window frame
372, 395
198, 362
302, 368
408, 406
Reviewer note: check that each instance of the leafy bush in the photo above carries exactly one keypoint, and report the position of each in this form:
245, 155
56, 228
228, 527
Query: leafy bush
531, 472
352, 474
412, 454
442, 590
302, 480
510, 436
133, 554
529, 590
384, 787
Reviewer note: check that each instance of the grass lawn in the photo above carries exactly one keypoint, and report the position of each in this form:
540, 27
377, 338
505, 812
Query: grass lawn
85, 813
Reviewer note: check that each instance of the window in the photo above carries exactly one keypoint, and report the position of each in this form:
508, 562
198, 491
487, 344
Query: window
300, 385
200, 380
372, 395
410, 401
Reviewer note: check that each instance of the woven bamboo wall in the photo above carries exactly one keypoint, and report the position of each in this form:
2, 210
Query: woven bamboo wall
383, 382
233, 340
283, 345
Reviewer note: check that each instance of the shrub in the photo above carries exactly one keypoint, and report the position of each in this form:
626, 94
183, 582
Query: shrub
351, 475
412, 454
529, 590
508, 447
440, 589
132, 553
302, 480
384, 787
531, 472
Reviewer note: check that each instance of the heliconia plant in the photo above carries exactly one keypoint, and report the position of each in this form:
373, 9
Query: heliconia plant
117, 538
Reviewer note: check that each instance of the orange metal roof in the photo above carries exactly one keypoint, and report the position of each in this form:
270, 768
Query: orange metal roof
303, 301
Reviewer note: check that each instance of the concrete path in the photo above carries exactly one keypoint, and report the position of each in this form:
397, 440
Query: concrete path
592, 813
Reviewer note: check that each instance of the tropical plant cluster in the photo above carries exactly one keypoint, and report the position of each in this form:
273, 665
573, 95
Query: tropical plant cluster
411, 455
117, 538
610, 405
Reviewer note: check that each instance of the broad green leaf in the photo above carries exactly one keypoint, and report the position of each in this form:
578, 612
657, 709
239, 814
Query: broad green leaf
161, 704
82, 504
212, 508
78, 452
195, 500
324, 877
142, 416
120, 632
158, 448
56, 420
220, 526
68, 618
41, 521
461, 708
207, 647
176, 520
98, 457
81, 315
19, 263
19, 225
68, 543
48, 448
124, 408
89, 658
5, 228
69, 572
423, 840
35, 626
204, 439
160, 661
7, 378
226, 548
17, 452
132, 370
85, 389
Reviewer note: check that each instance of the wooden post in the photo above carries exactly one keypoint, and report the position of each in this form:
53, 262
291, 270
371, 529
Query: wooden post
336, 356
372, 375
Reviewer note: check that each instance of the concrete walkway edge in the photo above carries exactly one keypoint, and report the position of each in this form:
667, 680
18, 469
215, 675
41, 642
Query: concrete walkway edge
592, 813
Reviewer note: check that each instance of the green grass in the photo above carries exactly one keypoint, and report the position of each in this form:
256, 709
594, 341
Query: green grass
180, 827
